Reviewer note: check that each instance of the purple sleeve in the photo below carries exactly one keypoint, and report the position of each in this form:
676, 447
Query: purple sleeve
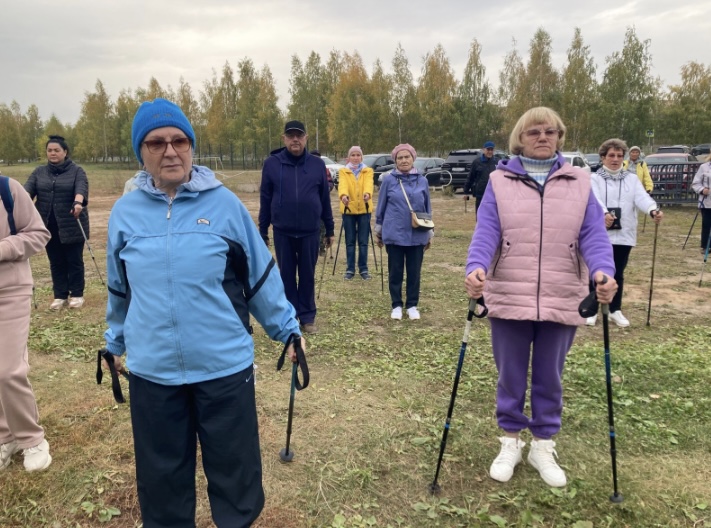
487, 234
594, 243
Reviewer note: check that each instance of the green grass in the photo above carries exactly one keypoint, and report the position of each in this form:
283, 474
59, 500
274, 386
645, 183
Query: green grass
367, 431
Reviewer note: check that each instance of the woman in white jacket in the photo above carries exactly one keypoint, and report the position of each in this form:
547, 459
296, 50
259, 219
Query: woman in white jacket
701, 185
620, 193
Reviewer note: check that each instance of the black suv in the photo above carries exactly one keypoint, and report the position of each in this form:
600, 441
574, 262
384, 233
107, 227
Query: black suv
701, 150
459, 164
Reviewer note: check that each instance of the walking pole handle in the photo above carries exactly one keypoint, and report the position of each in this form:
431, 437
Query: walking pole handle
300, 361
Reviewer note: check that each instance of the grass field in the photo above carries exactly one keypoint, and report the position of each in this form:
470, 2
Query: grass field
367, 431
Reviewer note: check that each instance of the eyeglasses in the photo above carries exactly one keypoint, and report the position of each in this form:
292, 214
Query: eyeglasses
550, 133
159, 146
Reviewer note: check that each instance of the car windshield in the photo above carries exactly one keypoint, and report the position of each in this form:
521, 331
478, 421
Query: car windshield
592, 158
327, 160
654, 160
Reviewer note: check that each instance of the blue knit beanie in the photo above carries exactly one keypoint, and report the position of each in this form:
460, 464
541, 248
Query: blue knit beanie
156, 114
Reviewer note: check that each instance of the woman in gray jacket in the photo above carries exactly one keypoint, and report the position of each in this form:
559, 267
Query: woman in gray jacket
701, 185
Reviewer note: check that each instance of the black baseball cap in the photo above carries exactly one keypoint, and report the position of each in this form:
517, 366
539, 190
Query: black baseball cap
294, 125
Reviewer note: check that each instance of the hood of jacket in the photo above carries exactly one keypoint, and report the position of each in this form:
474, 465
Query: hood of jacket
201, 179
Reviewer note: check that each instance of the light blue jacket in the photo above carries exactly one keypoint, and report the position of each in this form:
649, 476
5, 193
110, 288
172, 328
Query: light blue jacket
183, 277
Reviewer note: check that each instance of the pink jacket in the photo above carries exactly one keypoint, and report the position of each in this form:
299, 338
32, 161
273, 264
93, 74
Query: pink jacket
15, 250
537, 272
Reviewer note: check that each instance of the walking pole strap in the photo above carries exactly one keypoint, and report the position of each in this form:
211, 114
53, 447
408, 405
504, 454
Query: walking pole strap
115, 383
300, 361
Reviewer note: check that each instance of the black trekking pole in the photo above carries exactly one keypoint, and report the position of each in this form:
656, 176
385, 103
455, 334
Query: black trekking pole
382, 272
651, 280
340, 234
435, 488
34, 297
588, 308
323, 269
86, 240
706, 257
690, 229
370, 234
286, 454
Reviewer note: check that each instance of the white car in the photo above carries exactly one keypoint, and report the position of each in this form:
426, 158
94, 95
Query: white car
576, 159
333, 168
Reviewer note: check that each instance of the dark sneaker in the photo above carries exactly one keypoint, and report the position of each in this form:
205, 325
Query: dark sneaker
310, 328
365, 275
349, 275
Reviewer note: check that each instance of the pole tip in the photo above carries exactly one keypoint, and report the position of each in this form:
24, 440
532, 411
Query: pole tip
286, 456
434, 488
616, 498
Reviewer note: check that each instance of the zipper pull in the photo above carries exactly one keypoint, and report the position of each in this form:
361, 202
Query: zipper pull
170, 206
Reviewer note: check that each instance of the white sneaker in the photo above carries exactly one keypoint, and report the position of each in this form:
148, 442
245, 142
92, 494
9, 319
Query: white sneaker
542, 457
396, 313
76, 302
590, 321
38, 457
508, 458
619, 319
58, 304
6, 452
413, 312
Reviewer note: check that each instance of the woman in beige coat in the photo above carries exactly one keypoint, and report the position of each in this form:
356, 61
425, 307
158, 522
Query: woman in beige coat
19, 427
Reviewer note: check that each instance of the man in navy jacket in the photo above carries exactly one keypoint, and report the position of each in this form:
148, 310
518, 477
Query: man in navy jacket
294, 198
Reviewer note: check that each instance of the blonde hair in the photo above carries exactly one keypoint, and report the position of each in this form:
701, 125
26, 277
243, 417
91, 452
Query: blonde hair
613, 143
536, 116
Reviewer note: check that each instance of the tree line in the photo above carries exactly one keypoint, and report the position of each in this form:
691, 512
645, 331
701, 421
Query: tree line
236, 115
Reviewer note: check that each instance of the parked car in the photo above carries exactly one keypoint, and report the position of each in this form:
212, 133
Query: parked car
576, 159
674, 149
333, 168
429, 167
701, 150
671, 172
459, 163
593, 160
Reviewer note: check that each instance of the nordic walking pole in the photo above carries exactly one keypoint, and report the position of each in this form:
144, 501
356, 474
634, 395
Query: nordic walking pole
690, 229
435, 488
320, 283
86, 240
651, 280
706, 257
382, 272
34, 297
370, 234
286, 454
644, 223
616, 495
340, 234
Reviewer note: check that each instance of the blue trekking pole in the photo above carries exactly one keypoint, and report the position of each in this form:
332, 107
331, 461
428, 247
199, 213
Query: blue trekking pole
286, 454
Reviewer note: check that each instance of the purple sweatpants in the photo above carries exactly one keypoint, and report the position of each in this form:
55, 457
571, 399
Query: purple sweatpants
511, 342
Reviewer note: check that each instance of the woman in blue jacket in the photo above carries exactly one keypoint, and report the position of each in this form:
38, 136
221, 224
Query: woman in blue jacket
393, 228
186, 267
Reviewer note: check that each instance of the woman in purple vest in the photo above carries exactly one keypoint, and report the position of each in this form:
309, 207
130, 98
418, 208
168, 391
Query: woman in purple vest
540, 236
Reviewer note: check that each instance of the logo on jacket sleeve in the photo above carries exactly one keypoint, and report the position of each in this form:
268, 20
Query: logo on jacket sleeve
203, 221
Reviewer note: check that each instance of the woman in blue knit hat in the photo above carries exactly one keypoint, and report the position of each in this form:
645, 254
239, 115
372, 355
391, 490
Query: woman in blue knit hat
186, 268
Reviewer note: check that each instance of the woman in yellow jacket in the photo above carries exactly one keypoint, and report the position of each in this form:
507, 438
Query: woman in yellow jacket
355, 189
639, 166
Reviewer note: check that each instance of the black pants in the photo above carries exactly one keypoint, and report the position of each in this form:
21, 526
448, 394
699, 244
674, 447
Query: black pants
167, 421
66, 262
298, 256
705, 227
401, 259
620, 254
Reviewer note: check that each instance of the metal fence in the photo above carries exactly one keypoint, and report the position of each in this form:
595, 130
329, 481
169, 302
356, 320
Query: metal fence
672, 183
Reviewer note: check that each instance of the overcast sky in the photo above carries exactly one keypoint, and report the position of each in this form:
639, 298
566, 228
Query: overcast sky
52, 52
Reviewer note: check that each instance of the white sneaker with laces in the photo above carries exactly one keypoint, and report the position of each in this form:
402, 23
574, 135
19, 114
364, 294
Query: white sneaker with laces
6, 452
542, 457
508, 458
590, 321
37, 458
413, 312
58, 304
76, 302
396, 313
619, 319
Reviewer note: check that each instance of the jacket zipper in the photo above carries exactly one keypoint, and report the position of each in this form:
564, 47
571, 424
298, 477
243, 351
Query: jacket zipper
170, 281
540, 256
